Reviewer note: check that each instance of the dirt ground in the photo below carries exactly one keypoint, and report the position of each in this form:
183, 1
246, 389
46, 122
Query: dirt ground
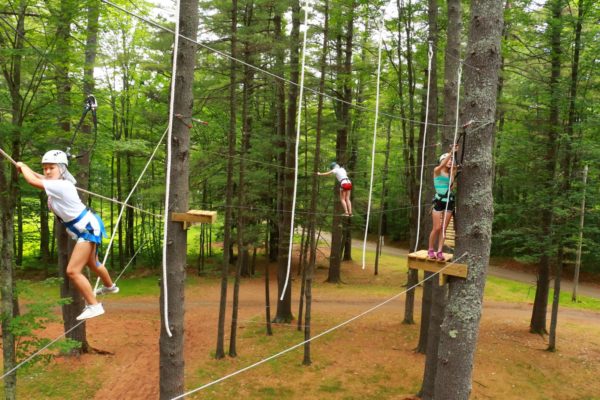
370, 358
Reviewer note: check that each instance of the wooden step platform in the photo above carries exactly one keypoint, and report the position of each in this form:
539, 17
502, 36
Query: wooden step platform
419, 260
195, 217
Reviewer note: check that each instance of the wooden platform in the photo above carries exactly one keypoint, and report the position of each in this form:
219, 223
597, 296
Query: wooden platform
195, 217
419, 260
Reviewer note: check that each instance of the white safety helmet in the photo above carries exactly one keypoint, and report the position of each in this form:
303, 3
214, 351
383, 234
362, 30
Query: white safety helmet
443, 156
55, 157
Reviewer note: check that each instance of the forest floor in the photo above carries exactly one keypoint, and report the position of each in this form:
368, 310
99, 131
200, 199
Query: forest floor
371, 357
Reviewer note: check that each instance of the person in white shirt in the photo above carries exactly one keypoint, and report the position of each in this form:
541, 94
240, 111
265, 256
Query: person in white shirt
345, 186
82, 225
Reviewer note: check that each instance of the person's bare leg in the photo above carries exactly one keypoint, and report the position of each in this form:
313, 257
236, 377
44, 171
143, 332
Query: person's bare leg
79, 257
436, 229
446, 217
344, 206
99, 270
348, 202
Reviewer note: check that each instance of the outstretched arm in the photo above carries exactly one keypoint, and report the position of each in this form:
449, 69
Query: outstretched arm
325, 173
33, 178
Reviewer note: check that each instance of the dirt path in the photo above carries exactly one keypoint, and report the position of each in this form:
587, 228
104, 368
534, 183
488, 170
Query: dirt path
584, 289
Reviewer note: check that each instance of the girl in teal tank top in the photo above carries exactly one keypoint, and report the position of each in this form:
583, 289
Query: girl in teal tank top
443, 203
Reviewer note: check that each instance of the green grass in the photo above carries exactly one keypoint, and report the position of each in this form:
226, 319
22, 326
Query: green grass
499, 289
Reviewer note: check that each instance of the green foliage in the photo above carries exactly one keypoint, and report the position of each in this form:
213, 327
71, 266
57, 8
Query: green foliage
37, 314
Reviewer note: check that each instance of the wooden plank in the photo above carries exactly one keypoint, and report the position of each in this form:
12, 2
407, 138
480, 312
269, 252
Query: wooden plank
419, 260
195, 216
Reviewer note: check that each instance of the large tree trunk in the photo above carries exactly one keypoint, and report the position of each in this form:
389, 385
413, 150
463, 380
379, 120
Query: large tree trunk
540, 305
312, 221
460, 328
284, 300
429, 142
63, 94
408, 136
227, 237
171, 348
566, 159
439, 293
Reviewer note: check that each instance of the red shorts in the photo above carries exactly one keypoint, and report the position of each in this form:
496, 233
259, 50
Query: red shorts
346, 185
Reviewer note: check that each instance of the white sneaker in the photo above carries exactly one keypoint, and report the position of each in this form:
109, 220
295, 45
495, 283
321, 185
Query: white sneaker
91, 311
106, 290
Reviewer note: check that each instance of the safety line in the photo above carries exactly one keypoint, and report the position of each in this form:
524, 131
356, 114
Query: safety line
450, 181
120, 216
298, 126
364, 254
314, 91
70, 329
264, 360
168, 172
430, 56
19, 365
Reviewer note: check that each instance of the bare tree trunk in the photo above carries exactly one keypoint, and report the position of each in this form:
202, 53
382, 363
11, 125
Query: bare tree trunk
460, 328
429, 143
312, 218
284, 300
171, 359
540, 305
227, 239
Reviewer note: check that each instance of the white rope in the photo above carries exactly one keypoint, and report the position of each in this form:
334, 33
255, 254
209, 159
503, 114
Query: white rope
114, 233
298, 123
168, 173
264, 360
430, 55
364, 252
450, 182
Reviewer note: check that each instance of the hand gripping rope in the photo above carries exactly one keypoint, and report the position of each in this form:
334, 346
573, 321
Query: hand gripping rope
364, 252
304, 29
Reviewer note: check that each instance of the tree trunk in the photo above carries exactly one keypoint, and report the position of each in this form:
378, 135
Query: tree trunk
436, 317
284, 305
227, 239
428, 139
540, 305
171, 359
340, 229
460, 328
63, 94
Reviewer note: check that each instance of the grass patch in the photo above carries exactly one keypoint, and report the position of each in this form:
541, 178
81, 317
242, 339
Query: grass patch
499, 289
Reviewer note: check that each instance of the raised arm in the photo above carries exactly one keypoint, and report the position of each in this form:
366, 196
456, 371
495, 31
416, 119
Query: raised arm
33, 178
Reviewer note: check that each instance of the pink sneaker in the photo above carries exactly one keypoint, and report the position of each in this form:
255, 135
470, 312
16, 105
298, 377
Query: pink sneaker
440, 256
431, 254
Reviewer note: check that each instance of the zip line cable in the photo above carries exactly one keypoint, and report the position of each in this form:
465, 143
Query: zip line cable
368, 311
258, 69
430, 57
364, 254
304, 29
168, 172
